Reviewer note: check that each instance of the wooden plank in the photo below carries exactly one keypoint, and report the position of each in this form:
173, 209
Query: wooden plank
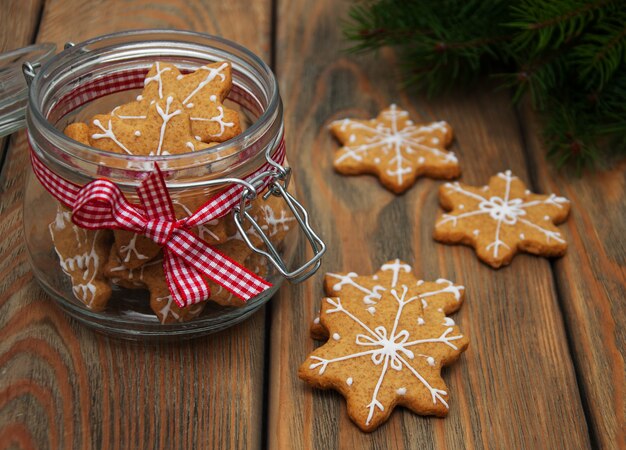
515, 387
591, 281
62, 386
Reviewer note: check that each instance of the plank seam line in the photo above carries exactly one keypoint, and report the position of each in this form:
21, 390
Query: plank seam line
269, 309
531, 164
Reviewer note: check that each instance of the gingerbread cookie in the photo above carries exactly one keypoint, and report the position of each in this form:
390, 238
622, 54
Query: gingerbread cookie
164, 130
390, 353
395, 149
201, 94
83, 254
501, 219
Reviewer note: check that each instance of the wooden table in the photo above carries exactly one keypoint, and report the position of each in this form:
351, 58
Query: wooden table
545, 367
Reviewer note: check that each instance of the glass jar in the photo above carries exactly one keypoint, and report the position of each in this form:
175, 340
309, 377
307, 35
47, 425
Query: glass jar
91, 78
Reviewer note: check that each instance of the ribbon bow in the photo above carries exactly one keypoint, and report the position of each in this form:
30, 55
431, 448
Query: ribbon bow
187, 258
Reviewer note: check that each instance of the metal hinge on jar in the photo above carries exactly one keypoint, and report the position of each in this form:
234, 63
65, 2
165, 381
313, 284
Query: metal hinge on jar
281, 177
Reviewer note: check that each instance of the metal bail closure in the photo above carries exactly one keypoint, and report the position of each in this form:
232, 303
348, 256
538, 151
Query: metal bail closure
300, 214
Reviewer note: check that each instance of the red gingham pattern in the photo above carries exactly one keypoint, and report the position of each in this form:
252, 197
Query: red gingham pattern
101, 204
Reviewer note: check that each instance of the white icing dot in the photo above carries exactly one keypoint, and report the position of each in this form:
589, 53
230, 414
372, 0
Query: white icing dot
435, 140
137, 133
190, 146
374, 277
371, 310
409, 122
424, 303
139, 98
475, 232
440, 309
316, 320
421, 160
189, 105
420, 321
376, 160
213, 98
461, 206
546, 218
336, 336
485, 188
526, 192
152, 102
401, 391
352, 138
198, 138
349, 381
521, 236
430, 360
420, 282
448, 322
179, 77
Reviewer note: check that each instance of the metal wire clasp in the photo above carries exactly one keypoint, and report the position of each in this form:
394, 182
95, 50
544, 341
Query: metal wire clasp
278, 187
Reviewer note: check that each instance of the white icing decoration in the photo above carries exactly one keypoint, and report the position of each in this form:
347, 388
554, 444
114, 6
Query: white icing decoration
131, 248
461, 206
157, 78
166, 116
371, 310
372, 296
448, 322
521, 236
316, 321
139, 98
213, 98
189, 105
213, 73
403, 141
219, 119
137, 133
349, 381
336, 336
401, 391
505, 211
429, 359
389, 349
190, 146
88, 262
420, 321
198, 138
396, 267
114, 113
274, 224
180, 77
107, 133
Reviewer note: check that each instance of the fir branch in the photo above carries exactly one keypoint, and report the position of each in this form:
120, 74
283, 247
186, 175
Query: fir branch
544, 24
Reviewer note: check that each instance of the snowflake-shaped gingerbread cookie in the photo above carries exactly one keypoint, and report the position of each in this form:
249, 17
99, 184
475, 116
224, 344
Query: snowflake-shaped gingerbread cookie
388, 350
501, 218
395, 149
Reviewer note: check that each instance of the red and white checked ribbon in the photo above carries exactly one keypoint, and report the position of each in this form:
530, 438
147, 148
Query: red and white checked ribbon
187, 258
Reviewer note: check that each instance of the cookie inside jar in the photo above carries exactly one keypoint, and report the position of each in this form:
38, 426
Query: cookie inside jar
178, 111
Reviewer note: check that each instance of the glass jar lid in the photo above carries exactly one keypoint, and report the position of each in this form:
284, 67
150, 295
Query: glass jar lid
13, 85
